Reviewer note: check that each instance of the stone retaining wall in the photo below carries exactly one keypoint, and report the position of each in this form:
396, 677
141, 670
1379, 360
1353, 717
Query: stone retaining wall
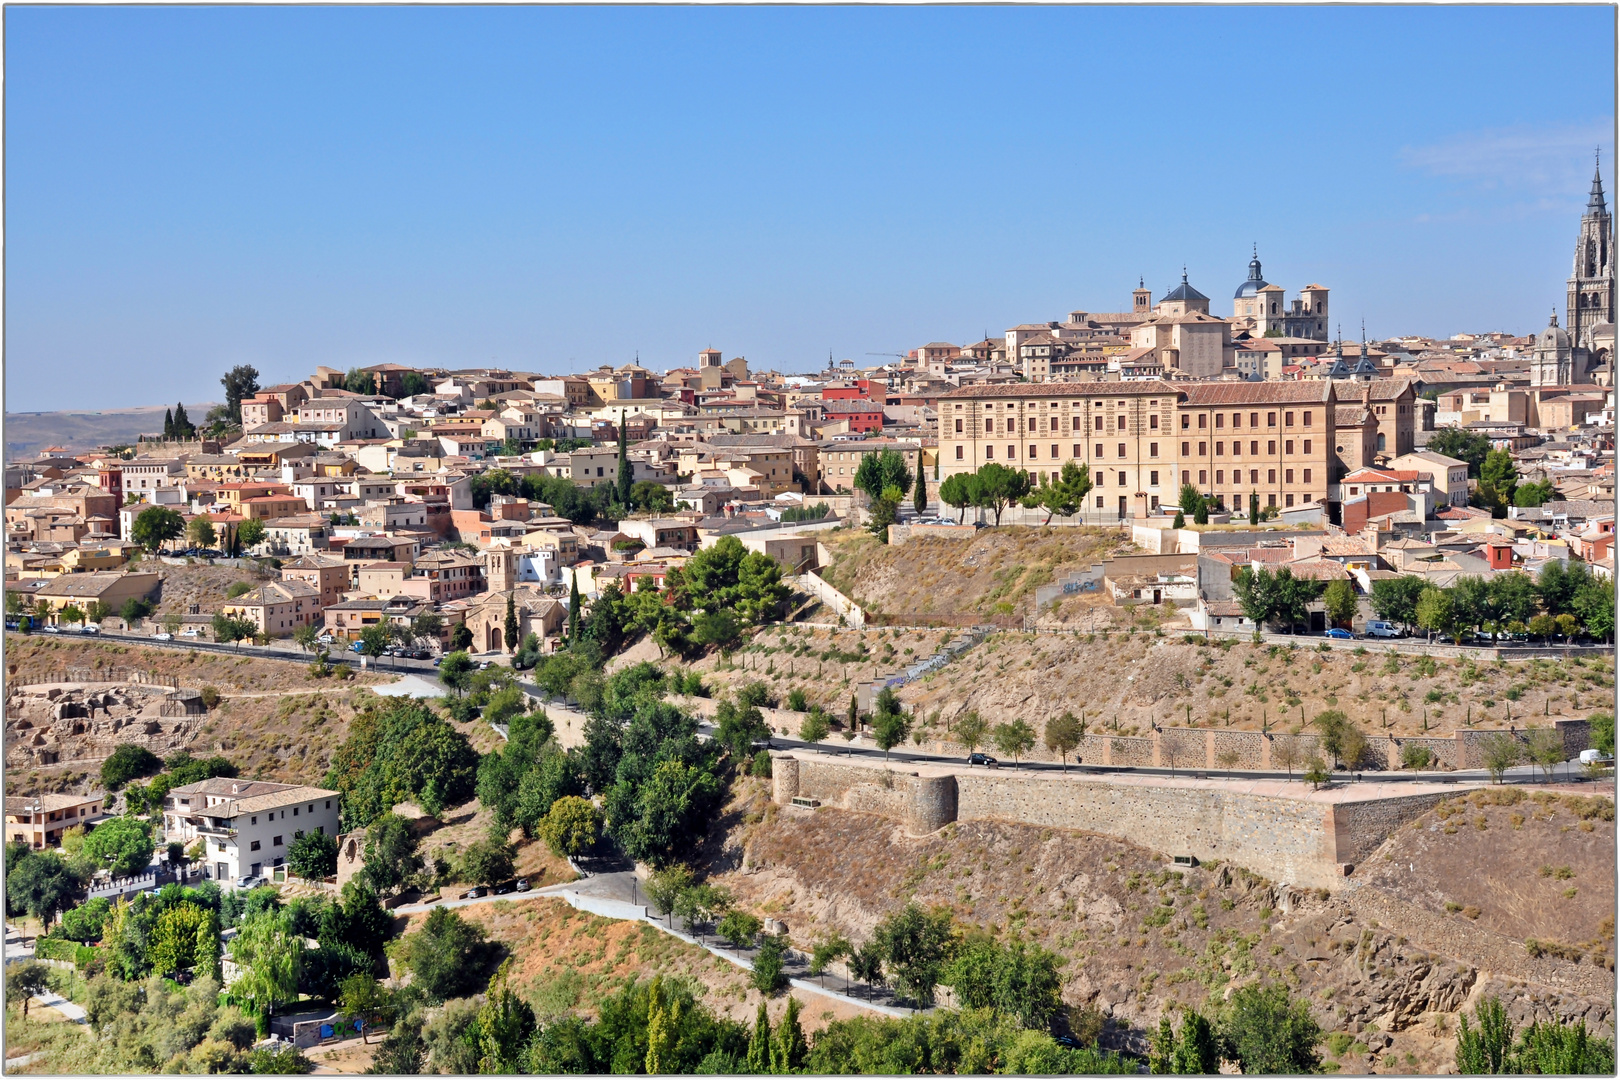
1301, 840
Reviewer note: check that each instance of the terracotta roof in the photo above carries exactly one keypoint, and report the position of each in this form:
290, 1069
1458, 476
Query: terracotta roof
1258, 393
1063, 389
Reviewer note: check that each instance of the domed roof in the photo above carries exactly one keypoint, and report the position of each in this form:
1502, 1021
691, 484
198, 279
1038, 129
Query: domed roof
1553, 336
1255, 283
1184, 291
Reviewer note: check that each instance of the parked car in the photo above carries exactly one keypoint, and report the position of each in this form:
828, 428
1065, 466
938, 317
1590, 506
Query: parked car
191, 631
1342, 635
325, 639
51, 628
1382, 629
473, 893
162, 637
522, 884
357, 646
983, 759
503, 888
1588, 756
249, 881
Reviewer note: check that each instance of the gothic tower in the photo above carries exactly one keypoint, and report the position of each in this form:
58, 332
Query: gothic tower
1591, 285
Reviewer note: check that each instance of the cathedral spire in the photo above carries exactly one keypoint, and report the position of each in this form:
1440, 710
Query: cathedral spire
1595, 203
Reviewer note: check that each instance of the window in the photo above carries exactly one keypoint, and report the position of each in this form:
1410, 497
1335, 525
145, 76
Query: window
1153, 422
1122, 423
1271, 476
1271, 500
1220, 419
1288, 476
1288, 419
1033, 452
1307, 424
1203, 477
1220, 476
1074, 423
1254, 419
959, 425
1153, 449
1288, 500
1271, 419
1271, 446
1099, 502
1254, 447
1288, 446
1254, 476
1102, 478
989, 452
1099, 450
254, 820
1220, 449
1121, 479
1153, 478
254, 846
1201, 418
1307, 446
1237, 419
1054, 450
1122, 449
1186, 477
1201, 449
1186, 421
1184, 449
295, 811
1097, 423
1306, 477
1076, 450
298, 834
958, 452
1012, 452
276, 842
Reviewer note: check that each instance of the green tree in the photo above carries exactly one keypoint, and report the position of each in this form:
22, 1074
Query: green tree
970, 730
740, 928
767, 975
788, 1047
374, 640
889, 729
1486, 1048
1594, 604
1466, 446
413, 384
573, 607
455, 669
1500, 751
883, 512
313, 856
269, 957
1435, 612
1015, 739
959, 490
123, 846
41, 885
1498, 478
127, 762
1554, 1049
510, 633
487, 861
200, 531
572, 826
390, 854
360, 382
1063, 496
24, 980
156, 526
1254, 508
997, 486
814, 727
185, 936
1063, 734
759, 1043
443, 957
1559, 583
626, 477
1339, 599
919, 495
1267, 1032
877, 473
661, 820
915, 945
249, 534
242, 381
1534, 494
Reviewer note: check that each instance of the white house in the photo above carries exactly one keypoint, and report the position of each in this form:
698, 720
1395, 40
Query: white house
248, 825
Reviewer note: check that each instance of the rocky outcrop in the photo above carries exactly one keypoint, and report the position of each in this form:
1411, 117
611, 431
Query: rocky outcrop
49, 724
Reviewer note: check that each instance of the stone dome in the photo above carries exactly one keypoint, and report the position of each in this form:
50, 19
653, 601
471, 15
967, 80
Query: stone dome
1254, 284
1553, 337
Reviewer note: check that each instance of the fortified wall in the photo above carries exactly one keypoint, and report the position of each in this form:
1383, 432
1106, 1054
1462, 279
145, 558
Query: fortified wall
1283, 831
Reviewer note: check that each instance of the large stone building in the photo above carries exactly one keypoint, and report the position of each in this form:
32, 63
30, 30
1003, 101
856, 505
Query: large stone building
1258, 306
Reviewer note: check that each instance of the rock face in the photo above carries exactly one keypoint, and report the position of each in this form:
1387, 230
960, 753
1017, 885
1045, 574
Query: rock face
52, 723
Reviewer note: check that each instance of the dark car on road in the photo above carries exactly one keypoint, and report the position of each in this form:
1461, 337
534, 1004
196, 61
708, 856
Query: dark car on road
983, 759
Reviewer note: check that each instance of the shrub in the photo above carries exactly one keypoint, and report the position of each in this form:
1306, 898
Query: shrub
126, 763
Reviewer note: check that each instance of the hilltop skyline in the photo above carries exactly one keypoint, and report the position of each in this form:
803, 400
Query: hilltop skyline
196, 188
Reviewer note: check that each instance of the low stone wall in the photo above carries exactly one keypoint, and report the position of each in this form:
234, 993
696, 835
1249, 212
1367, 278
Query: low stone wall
1282, 831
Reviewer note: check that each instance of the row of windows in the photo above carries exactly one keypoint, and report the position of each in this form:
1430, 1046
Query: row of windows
1237, 419
1237, 477
1055, 423
1237, 448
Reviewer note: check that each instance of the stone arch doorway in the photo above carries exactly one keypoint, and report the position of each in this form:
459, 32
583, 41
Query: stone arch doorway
492, 637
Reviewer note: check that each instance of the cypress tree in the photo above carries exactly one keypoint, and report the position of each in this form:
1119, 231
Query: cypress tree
788, 1047
511, 623
182, 422
626, 477
920, 496
168, 423
759, 1044
573, 609
1254, 508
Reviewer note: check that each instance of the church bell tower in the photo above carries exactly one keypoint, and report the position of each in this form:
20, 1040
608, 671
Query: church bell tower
1591, 284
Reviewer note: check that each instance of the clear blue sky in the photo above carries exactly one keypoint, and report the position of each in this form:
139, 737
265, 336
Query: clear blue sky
554, 188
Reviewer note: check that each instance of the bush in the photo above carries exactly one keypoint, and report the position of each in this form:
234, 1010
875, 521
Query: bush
796, 700
1416, 757
767, 976
237, 589
755, 695
210, 697
761, 765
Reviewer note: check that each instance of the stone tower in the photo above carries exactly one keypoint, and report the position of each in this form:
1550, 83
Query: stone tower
1591, 284
1551, 362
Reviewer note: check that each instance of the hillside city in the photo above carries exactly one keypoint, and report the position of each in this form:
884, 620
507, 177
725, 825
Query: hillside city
941, 711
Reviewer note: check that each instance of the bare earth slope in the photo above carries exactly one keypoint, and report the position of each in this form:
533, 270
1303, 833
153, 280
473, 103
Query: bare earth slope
1139, 934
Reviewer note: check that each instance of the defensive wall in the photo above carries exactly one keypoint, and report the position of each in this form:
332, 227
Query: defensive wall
1283, 831
1218, 748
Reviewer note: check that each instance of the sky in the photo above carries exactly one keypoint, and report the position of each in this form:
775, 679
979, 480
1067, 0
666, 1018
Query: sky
553, 189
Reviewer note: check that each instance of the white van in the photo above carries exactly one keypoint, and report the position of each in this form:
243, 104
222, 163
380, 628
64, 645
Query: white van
1382, 629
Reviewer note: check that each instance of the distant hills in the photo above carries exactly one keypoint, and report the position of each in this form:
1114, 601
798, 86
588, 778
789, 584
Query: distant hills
28, 433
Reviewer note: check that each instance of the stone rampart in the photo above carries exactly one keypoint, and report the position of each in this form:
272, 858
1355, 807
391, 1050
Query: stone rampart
1282, 831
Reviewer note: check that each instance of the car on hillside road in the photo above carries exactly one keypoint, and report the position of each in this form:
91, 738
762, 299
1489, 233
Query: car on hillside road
983, 759
325, 639
522, 884
1380, 629
1339, 634
473, 893
162, 637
